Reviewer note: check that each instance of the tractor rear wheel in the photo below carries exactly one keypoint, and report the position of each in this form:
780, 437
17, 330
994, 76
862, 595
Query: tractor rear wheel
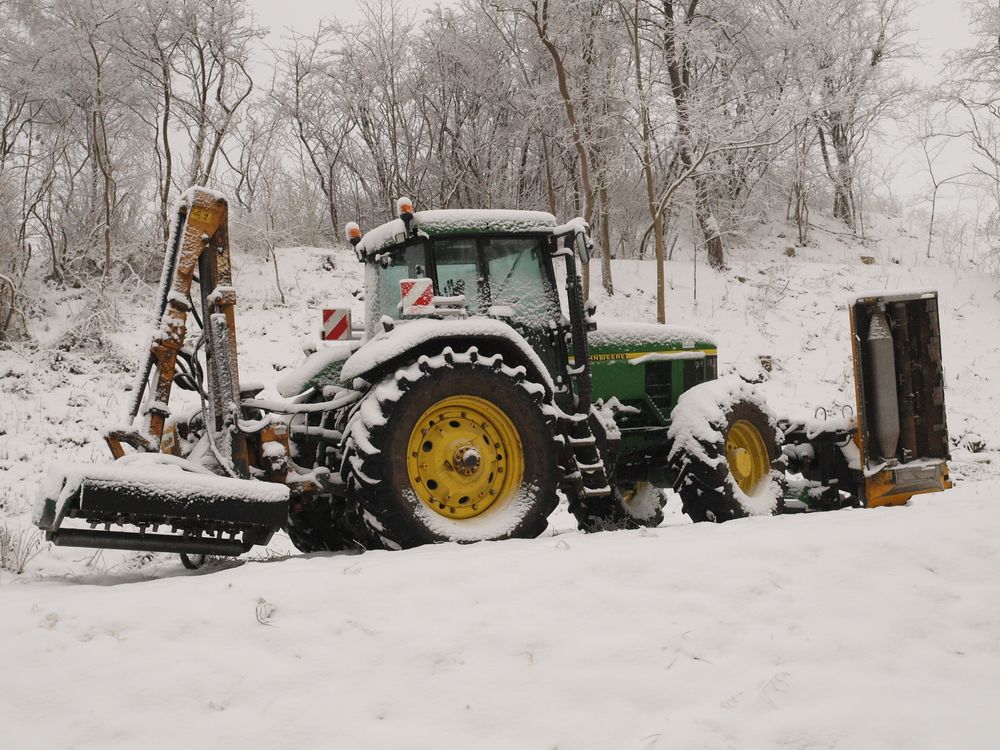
454, 447
726, 455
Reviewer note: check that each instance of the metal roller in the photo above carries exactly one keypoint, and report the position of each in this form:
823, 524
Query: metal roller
882, 369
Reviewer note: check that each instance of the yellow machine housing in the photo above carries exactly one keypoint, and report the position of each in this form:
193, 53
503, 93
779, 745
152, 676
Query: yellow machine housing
900, 396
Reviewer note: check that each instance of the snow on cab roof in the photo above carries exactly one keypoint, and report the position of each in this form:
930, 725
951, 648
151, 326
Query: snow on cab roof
459, 221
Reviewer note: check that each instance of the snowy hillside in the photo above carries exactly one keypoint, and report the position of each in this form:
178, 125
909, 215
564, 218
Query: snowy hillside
862, 628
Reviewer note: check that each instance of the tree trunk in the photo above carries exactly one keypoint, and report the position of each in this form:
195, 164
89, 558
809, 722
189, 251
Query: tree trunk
708, 223
679, 69
647, 166
541, 25
104, 163
840, 174
167, 177
549, 187
606, 280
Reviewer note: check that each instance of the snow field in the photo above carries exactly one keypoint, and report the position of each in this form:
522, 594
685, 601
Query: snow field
855, 629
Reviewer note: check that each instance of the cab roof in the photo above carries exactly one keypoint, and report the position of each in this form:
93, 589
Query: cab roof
457, 222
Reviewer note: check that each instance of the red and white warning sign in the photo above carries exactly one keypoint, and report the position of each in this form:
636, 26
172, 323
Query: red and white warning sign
417, 296
336, 324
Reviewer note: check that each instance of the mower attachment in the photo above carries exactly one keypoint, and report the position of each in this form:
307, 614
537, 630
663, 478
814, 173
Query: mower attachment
204, 511
902, 433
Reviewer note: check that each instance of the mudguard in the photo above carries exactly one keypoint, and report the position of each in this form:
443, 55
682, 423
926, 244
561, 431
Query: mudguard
382, 353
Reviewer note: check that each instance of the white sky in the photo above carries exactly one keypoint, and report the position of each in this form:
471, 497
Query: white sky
299, 15
939, 25
304, 15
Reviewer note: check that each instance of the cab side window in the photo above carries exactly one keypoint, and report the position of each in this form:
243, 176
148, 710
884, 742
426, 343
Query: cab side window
457, 262
400, 263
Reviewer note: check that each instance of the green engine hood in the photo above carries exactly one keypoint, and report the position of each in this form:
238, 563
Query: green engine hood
618, 340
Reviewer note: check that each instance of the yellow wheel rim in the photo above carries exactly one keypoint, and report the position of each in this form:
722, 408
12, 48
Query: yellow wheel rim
746, 454
464, 456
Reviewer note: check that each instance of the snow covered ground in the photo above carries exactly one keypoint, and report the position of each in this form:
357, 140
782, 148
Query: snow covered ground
856, 629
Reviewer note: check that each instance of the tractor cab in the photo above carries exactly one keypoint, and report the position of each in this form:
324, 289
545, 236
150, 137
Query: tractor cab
477, 273
493, 263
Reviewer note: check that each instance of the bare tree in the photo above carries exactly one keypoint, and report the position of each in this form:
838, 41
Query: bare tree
215, 82
677, 27
150, 37
538, 13
933, 137
92, 28
634, 19
857, 86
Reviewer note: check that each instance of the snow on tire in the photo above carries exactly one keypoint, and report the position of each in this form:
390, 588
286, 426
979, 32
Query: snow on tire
726, 452
454, 447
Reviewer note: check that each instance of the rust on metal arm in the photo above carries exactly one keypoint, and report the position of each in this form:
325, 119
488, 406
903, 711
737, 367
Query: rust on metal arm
203, 247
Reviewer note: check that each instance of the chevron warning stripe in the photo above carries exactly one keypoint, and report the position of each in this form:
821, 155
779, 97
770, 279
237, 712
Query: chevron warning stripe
336, 324
417, 296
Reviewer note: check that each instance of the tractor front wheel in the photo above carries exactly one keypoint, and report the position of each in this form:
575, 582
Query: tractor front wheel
454, 447
726, 453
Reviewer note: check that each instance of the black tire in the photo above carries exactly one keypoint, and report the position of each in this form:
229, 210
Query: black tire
192, 562
318, 524
705, 482
323, 522
378, 440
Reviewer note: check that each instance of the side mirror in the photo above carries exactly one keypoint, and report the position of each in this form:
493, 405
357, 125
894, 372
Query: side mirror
581, 247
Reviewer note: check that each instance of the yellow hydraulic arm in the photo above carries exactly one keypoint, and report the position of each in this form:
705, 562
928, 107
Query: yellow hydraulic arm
199, 242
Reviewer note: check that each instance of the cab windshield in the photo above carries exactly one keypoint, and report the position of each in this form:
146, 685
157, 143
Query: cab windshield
506, 273
518, 279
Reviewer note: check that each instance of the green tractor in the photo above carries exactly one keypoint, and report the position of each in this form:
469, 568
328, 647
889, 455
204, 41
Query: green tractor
480, 391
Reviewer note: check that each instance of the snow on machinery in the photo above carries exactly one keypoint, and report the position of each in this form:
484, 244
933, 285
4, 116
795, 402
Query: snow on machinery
477, 394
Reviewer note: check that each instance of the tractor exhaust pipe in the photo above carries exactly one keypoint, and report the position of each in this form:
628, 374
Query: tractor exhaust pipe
885, 405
